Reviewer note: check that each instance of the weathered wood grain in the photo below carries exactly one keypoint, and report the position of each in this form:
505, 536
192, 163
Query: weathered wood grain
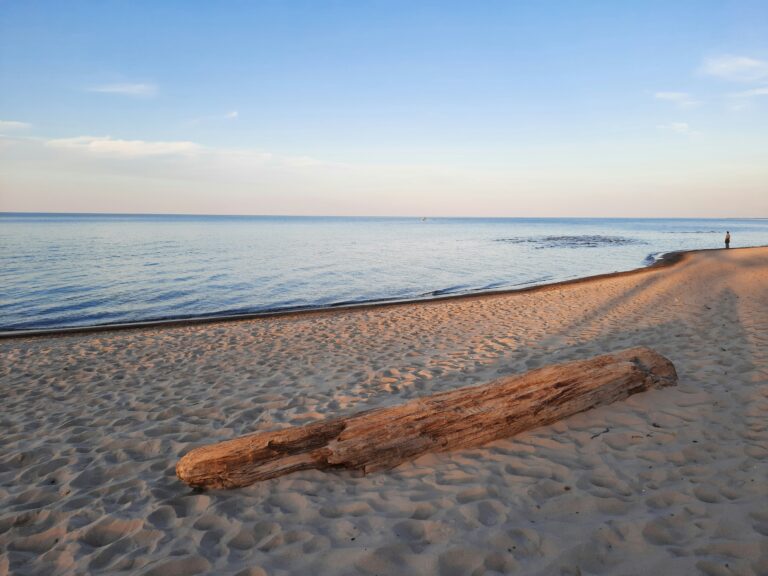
383, 438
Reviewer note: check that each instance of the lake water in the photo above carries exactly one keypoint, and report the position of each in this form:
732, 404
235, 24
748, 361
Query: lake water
79, 270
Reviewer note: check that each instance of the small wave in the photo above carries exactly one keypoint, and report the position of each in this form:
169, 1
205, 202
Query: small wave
443, 291
652, 258
691, 231
535, 281
585, 241
169, 295
494, 285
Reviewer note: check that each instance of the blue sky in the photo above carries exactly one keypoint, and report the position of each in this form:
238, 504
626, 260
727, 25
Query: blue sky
402, 108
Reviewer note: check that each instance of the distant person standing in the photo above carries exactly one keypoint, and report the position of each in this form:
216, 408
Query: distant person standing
727, 239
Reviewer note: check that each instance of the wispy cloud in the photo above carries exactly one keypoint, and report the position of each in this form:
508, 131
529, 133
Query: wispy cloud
750, 93
214, 118
105, 147
679, 128
115, 147
13, 126
736, 69
738, 101
145, 90
681, 99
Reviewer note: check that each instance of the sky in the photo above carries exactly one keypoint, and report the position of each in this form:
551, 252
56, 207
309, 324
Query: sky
488, 108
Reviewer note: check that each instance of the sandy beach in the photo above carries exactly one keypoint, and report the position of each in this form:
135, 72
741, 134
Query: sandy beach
672, 481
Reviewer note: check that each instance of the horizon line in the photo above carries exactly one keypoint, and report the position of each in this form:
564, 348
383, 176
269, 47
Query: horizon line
391, 217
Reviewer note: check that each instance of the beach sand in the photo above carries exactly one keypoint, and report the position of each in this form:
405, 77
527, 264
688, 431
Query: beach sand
673, 481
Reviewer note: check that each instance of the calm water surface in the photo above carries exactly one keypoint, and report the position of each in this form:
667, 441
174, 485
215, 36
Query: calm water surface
78, 270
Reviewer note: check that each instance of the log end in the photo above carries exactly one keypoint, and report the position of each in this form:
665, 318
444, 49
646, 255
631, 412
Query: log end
230, 464
659, 370
203, 470
188, 470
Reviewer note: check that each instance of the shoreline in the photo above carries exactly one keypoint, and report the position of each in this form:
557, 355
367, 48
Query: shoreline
666, 259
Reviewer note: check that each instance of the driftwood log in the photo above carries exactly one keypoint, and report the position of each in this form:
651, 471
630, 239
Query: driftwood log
383, 438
